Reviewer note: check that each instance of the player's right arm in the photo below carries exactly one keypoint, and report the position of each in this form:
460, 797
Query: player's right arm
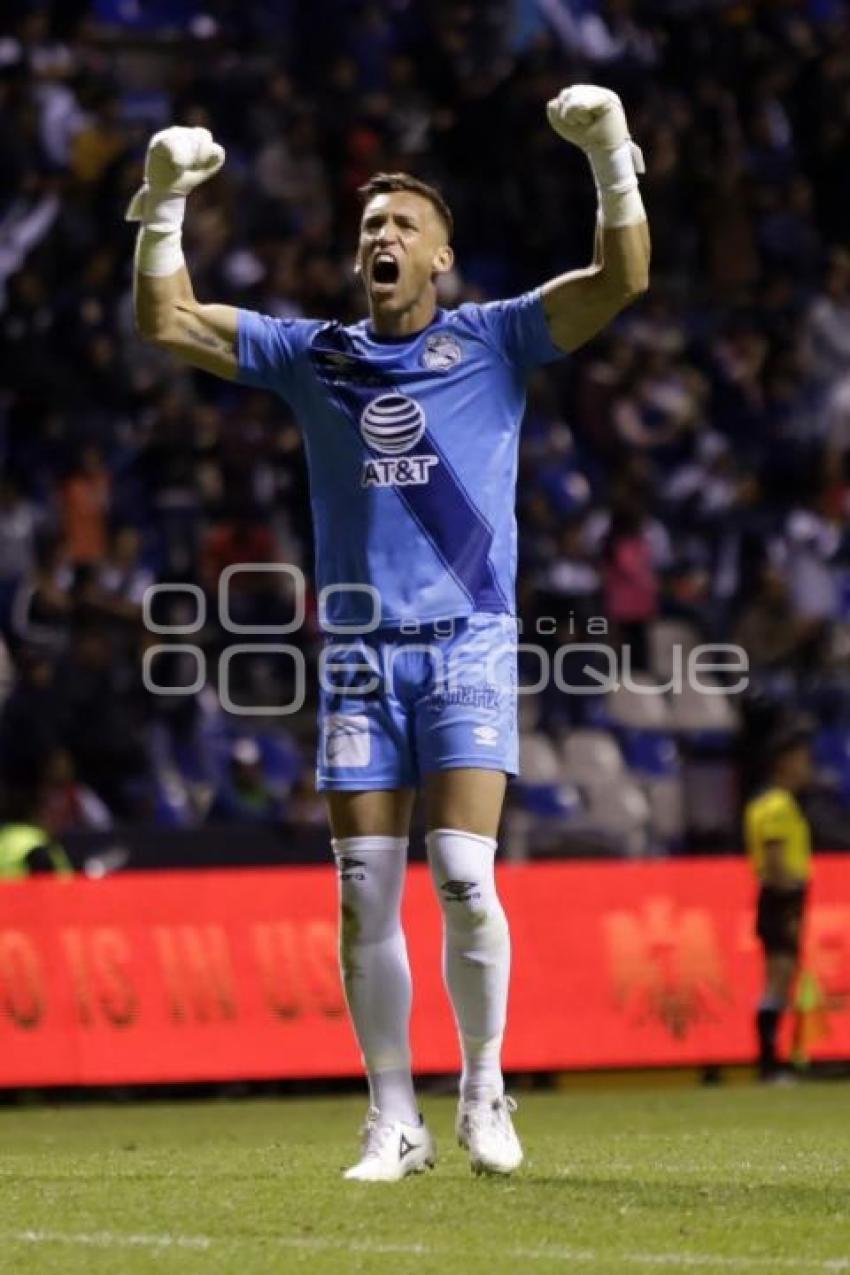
166, 310
168, 315
580, 304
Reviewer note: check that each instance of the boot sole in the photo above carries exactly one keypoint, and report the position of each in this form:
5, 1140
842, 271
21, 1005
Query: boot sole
486, 1170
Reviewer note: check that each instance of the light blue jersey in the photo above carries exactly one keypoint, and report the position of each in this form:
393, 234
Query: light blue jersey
412, 454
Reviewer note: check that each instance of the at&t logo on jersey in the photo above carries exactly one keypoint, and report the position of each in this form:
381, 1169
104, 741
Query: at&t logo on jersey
393, 424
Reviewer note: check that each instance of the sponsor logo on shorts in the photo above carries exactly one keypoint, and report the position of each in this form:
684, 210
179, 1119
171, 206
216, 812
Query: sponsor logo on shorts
487, 735
486, 696
346, 740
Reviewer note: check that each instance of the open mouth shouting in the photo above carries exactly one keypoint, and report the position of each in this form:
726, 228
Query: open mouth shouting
385, 272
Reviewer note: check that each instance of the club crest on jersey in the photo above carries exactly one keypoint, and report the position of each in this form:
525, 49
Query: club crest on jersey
441, 352
393, 424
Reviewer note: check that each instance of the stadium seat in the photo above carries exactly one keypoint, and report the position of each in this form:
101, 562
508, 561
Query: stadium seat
666, 797
528, 713
648, 708
842, 589
619, 808
666, 637
653, 753
172, 807
649, 762
831, 752
839, 644
543, 808
710, 715
281, 760
595, 714
538, 760
712, 799
591, 757
549, 801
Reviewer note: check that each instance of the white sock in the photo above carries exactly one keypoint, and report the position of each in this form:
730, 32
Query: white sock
375, 969
476, 954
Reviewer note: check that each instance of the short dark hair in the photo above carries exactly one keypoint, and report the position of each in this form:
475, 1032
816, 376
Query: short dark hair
787, 738
386, 183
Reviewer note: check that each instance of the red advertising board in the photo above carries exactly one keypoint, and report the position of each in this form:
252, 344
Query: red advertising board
209, 975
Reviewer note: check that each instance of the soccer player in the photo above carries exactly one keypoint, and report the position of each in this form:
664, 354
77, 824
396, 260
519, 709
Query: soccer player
779, 845
410, 422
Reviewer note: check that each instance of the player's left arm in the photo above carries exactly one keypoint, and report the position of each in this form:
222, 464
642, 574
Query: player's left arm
580, 304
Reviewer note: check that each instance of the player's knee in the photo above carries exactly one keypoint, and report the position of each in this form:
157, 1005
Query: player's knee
472, 899
462, 869
476, 927
365, 922
370, 881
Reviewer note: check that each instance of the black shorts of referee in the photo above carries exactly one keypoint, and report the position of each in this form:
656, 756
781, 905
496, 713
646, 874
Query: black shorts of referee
779, 920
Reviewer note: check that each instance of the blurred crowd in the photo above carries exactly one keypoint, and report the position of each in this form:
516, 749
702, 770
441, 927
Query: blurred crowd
692, 464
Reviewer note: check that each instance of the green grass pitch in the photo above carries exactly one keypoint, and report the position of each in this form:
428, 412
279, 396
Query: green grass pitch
707, 1180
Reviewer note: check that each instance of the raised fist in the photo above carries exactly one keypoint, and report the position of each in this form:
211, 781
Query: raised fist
590, 117
179, 159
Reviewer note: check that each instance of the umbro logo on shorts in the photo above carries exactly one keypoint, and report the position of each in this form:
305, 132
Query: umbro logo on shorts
487, 735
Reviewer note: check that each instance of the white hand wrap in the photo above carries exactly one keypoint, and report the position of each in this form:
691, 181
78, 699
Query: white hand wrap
178, 159
615, 173
593, 119
159, 248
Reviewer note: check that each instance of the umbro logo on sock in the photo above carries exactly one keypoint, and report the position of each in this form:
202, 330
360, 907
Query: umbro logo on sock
405, 1147
352, 870
459, 891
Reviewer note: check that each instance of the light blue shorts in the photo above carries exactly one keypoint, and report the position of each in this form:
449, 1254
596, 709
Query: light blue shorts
396, 705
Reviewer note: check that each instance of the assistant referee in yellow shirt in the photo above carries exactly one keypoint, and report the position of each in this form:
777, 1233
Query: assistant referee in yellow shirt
778, 843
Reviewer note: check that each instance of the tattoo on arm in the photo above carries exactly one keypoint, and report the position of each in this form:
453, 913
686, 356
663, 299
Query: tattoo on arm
207, 339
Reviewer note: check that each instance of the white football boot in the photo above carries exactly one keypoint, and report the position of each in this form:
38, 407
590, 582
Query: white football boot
487, 1132
391, 1150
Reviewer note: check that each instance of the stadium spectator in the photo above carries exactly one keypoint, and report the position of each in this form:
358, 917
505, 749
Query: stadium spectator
827, 324
42, 605
122, 579
772, 632
66, 804
630, 582
104, 719
243, 795
85, 499
20, 520
26, 848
